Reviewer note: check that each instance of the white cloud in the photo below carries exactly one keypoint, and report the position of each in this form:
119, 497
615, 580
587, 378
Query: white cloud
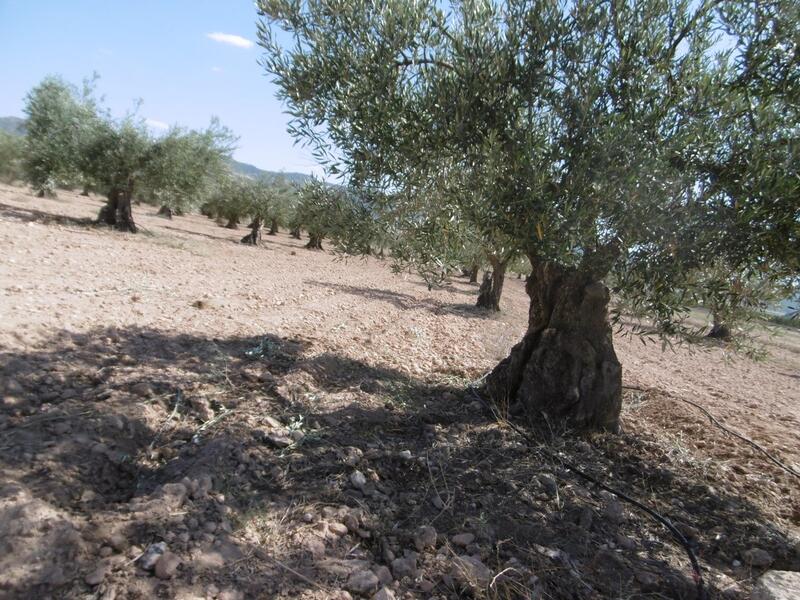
156, 124
216, 69
231, 39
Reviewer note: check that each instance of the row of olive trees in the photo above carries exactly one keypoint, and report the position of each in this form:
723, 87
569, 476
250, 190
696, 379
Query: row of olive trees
72, 141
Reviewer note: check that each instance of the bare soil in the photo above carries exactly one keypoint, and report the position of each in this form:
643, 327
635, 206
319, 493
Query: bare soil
286, 422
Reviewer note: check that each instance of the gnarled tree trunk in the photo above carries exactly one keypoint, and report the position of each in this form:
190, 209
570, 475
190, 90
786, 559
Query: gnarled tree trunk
165, 211
273, 227
473, 274
233, 223
117, 212
492, 286
565, 367
254, 237
314, 242
295, 233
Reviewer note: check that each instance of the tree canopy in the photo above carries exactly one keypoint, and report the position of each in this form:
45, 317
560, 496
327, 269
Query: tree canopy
605, 140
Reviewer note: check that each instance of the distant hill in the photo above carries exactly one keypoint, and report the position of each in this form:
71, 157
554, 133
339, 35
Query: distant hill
254, 172
12, 125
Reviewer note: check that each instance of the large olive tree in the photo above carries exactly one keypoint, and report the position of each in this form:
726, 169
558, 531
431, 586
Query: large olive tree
605, 138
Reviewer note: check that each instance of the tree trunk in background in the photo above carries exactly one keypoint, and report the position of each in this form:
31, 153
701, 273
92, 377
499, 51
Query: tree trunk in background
492, 286
254, 237
165, 211
117, 212
565, 367
233, 223
314, 242
273, 227
719, 330
473, 274
295, 233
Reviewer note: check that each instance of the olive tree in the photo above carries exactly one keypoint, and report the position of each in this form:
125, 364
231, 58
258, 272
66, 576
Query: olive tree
184, 166
604, 136
60, 121
11, 157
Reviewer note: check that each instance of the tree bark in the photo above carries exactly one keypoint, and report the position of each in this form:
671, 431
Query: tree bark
233, 223
719, 330
165, 211
117, 212
473, 274
254, 237
273, 227
492, 286
295, 233
314, 242
565, 368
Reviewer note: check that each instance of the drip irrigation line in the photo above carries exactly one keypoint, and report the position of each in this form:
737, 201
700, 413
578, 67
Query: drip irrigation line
715, 421
664, 521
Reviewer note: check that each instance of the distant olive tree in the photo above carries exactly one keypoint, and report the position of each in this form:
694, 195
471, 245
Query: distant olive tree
607, 140
12, 148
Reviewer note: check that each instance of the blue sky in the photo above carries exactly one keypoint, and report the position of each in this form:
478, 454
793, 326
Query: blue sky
161, 52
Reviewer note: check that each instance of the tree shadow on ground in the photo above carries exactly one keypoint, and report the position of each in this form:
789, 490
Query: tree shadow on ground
32, 215
94, 425
406, 301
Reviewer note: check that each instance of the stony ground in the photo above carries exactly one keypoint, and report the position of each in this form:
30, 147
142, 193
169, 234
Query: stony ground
185, 417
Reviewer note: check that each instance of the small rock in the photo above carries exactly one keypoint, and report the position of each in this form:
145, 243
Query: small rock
471, 571
97, 576
151, 555
405, 455
230, 595
339, 529
166, 565
549, 485
425, 537
142, 389
279, 440
384, 575
352, 456
777, 585
363, 582
358, 480
426, 586
757, 557
625, 542
404, 567
384, 594
463, 539
350, 521
307, 517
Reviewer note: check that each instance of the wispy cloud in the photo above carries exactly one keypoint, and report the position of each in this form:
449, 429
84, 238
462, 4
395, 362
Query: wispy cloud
230, 39
216, 69
154, 124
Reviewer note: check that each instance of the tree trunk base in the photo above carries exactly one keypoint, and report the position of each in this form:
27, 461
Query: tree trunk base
165, 211
314, 242
492, 288
117, 212
719, 331
565, 370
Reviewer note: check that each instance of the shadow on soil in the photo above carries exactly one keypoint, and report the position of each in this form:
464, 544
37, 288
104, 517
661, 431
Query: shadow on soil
32, 215
93, 425
406, 301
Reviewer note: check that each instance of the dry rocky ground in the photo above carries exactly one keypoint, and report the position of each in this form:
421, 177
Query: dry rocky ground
184, 417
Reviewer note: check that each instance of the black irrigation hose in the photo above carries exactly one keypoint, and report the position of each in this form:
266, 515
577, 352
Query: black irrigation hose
679, 537
714, 421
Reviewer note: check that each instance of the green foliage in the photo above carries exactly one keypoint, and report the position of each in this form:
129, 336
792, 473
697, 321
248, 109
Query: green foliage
609, 137
11, 157
183, 166
60, 122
